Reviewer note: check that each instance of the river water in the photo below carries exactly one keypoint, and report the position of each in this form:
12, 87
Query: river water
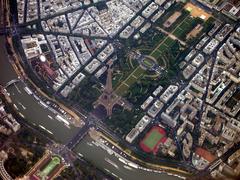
38, 115
101, 157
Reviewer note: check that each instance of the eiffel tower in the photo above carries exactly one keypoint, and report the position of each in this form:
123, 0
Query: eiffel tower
109, 98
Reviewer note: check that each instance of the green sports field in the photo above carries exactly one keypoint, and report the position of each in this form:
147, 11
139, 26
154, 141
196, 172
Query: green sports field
50, 167
153, 138
147, 63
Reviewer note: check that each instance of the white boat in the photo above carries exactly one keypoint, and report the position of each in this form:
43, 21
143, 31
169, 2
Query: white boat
110, 151
131, 164
80, 154
127, 167
43, 104
45, 129
21, 115
50, 117
112, 163
24, 108
122, 160
36, 97
107, 170
60, 118
90, 144
67, 126
28, 91
15, 107
94, 143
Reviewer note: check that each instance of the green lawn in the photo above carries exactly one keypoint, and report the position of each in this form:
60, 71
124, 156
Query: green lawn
185, 27
153, 139
147, 63
169, 42
178, 32
165, 46
117, 78
122, 89
156, 54
130, 80
138, 72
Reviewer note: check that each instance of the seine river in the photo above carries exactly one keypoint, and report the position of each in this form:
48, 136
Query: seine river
38, 115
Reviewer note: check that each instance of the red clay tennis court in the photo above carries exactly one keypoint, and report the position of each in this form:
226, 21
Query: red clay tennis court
205, 154
152, 139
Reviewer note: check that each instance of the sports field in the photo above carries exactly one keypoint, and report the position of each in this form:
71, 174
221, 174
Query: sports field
148, 63
50, 167
185, 27
152, 139
197, 12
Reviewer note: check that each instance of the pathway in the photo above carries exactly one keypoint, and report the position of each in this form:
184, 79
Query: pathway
171, 36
